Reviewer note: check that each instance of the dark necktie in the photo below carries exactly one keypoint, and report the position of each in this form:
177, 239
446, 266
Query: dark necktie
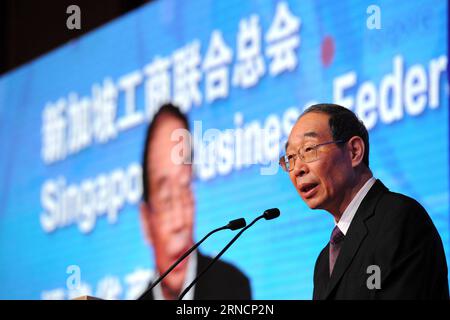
335, 246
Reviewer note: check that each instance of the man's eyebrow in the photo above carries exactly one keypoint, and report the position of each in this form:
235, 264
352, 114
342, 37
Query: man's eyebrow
311, 134
161, 181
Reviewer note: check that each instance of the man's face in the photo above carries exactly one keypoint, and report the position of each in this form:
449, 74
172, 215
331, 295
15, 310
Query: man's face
170, 212
321, 183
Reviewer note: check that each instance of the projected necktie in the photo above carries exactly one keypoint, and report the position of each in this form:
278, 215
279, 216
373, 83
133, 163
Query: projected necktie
335, 246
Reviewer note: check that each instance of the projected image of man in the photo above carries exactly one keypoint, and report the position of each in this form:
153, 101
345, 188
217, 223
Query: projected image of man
168, 212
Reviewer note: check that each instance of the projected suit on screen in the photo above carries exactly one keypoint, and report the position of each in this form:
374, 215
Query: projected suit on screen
167, 215
384, 245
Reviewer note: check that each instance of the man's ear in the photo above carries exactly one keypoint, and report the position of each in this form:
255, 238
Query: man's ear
145, 212
356, 148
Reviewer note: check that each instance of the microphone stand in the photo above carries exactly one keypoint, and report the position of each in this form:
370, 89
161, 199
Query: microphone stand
217, 257
233, 225
268, 215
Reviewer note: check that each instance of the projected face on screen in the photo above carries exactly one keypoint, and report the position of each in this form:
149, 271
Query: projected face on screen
169, 214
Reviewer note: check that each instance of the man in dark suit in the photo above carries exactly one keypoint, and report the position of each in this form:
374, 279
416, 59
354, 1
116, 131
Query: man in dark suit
384, 245
167, 215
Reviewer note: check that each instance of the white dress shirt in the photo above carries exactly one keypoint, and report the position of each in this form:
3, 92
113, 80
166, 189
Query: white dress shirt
190, 276
349, 213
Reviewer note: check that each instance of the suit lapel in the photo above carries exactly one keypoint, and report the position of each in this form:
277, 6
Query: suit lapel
355, 234
349, 248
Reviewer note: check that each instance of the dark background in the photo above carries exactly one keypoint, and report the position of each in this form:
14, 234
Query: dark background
30, 28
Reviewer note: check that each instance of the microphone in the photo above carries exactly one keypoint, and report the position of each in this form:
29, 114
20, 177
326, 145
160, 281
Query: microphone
236, 224
232, 225
269, 214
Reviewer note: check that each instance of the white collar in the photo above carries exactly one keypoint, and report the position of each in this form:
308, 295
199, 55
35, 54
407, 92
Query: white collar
350, 211
190, 276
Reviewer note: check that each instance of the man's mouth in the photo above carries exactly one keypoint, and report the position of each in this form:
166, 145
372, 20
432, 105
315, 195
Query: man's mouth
308, 189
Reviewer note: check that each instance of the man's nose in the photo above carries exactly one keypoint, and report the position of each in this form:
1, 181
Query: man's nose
300, 168
178, 217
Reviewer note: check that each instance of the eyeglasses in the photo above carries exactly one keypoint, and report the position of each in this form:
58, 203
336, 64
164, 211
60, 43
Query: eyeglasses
171, 191
306, 154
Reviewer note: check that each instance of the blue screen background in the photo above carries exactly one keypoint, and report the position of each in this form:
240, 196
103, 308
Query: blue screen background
409, 154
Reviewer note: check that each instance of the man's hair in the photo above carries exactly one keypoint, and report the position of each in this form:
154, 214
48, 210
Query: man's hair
168, 109
343, 124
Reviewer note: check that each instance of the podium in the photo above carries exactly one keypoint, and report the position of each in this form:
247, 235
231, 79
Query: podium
86, 298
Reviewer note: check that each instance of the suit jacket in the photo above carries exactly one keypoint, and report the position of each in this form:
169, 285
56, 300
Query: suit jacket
395, 233
222, 281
